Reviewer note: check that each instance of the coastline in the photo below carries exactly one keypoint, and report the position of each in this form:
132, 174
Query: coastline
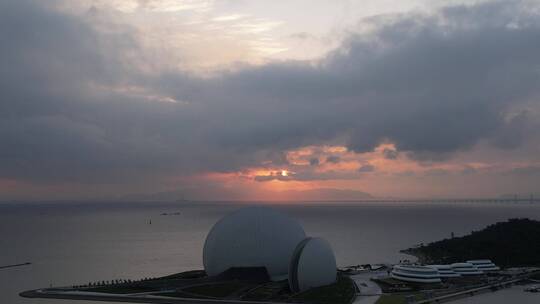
141, 298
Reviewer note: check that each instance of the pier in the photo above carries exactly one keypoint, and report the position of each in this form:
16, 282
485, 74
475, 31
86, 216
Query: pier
15, 265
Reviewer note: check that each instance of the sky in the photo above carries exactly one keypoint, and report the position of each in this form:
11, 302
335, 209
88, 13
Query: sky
268, 100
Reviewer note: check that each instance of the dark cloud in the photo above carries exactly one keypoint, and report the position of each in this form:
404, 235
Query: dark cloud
313, 161
312, 175
436, 172
366, 168
432, 85
390, 153
515, 132
406, 174
334, 159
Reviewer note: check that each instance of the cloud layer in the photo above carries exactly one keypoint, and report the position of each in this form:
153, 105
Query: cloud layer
78, 106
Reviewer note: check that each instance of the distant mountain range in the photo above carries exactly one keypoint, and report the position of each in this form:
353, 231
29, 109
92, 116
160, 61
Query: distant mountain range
325, 194
321, 194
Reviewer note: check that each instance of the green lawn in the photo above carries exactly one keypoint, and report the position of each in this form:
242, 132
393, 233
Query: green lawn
342, 292
122, 289
271, 291
177, 294
217, 290
395, 299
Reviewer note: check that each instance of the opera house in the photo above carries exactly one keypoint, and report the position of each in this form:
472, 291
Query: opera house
262, 238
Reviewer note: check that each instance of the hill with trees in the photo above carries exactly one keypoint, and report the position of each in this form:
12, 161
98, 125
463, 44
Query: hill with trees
515, 242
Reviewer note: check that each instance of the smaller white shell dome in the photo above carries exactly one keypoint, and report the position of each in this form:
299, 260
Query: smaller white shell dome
313, 264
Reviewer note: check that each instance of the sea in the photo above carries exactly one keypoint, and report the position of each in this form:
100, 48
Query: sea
72, 243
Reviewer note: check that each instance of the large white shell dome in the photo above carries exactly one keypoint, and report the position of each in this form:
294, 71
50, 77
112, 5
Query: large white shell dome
252, 237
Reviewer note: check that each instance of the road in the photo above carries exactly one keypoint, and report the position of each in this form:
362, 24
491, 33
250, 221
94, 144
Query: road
369, 291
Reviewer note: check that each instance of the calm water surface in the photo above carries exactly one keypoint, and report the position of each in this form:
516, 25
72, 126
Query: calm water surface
77, 243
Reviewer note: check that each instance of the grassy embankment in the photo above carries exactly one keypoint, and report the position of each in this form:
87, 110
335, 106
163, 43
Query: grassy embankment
342, 292
196, 285
397, 299
218, 290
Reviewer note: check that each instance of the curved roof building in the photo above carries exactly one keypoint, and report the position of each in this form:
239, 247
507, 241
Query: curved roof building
252, 237
465, 269
484, 265
445, 271
415, 274
312, 265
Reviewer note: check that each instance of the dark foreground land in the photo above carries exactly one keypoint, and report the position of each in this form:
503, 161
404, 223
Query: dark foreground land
197, 287
513, 243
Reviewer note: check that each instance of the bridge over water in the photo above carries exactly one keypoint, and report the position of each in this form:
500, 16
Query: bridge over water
452, 200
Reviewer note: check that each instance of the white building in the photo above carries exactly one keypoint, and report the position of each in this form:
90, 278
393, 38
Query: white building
445, 271
465, 269
263, 237
484, 265
415, 274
